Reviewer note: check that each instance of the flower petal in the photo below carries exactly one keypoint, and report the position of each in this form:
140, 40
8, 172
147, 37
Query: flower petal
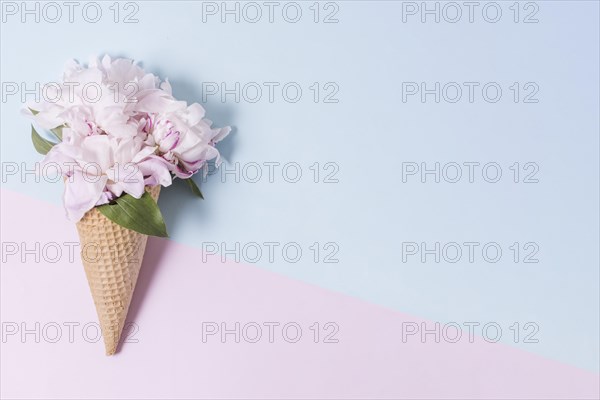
81, 194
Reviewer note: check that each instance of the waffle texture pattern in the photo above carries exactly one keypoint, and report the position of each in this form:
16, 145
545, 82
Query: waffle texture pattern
112, 257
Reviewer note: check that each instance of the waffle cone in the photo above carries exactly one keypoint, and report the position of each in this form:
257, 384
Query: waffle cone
112, 256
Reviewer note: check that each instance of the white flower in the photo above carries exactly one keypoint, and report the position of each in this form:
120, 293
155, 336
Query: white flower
122, 130
184, 138
100, 168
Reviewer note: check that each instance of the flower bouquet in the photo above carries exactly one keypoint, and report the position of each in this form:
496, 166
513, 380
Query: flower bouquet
119, 135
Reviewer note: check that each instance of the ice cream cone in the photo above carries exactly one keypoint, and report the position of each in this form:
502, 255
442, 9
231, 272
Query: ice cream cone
112, 256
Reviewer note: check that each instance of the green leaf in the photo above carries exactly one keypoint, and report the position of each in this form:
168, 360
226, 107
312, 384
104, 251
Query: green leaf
41, 145
58, 132
195, 189
141, 215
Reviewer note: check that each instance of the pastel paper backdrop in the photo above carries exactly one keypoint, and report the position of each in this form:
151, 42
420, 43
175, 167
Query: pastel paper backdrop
358, 205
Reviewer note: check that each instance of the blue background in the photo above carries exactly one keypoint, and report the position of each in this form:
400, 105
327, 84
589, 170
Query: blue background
369, 133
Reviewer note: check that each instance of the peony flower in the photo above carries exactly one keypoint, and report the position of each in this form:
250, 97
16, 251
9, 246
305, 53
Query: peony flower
100, 98
184, 139
100, 168
122, 130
